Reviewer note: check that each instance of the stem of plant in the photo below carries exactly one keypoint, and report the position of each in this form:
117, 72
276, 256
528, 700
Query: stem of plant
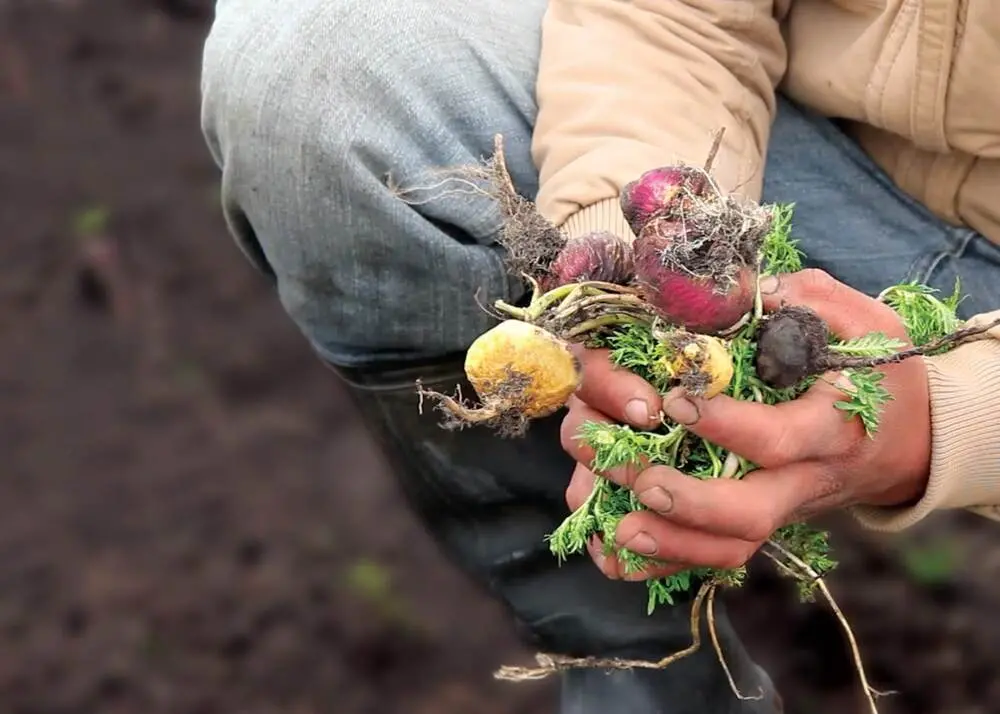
834, 362
599, 322
710, 615
549, 664
806, 570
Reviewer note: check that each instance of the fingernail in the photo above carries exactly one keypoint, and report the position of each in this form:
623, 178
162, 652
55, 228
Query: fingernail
637, 412
769, 284
596, 551
657, 498
681, 409
642, 544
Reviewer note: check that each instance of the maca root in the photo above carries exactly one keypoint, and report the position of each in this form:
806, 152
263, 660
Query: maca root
794, 343
701, 364
520, 372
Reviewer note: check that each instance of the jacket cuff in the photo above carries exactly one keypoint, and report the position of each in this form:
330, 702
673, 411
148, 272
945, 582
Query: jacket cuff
605, 215
965, 441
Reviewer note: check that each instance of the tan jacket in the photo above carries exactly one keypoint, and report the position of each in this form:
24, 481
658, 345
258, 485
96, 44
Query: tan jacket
626, 85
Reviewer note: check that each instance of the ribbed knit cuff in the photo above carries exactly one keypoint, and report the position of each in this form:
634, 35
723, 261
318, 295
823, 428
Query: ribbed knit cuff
965, 439
604, 215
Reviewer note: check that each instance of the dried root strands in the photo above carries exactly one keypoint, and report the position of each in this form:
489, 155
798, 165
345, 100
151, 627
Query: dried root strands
531, 242
520, 372
697, 251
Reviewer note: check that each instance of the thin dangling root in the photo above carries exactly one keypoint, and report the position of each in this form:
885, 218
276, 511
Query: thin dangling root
549, 664
710, 614
805, 572
504, 416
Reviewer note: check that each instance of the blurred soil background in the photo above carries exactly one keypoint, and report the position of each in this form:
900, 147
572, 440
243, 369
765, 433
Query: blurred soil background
192, 519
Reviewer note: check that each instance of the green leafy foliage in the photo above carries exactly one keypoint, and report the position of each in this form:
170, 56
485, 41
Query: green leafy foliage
926, 316
780, 251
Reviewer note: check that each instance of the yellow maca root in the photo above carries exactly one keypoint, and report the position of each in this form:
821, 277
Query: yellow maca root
520, 372
518, 348
701, 363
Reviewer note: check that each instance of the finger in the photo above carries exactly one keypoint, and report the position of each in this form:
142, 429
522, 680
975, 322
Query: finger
767, 435
619, 394
605, 562
613, 567
580, 486
579, 413
647, 534
748, 509
849, 313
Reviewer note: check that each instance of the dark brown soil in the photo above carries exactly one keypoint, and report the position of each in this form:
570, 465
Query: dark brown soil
191, 518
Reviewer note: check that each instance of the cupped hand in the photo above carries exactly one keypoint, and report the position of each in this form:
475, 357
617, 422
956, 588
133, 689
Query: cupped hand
810, 456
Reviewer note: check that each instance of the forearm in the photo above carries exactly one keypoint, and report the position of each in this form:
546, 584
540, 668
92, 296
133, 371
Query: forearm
625, 87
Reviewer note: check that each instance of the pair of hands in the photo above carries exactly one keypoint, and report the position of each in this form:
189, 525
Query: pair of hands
810, 457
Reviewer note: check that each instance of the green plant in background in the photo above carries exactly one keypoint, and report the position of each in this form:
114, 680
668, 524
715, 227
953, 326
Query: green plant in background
372, 583
91, 221
933, 563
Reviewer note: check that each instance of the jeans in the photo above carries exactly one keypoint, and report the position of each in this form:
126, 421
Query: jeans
309, 106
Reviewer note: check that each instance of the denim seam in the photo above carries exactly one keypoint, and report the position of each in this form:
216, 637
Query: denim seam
959, 239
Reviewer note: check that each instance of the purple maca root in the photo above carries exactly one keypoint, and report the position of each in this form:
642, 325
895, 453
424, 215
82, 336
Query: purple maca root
597, 256
696, 248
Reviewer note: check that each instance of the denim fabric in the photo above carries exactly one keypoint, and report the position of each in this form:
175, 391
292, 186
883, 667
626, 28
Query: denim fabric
854, 223
309, 105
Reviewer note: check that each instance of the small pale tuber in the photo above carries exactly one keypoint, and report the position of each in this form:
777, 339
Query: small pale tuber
700, 363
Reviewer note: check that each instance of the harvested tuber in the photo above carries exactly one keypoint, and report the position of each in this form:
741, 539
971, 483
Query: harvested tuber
701, 364
520, 372
701, 302
658, 192
794, 343
791, 345
697, 250
597, 256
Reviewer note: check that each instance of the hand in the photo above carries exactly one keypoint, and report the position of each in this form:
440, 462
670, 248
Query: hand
810, 457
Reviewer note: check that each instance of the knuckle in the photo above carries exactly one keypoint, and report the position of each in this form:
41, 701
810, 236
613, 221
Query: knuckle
815, 281
758, 529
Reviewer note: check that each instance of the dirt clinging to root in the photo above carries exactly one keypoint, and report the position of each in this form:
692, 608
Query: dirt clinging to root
711, 234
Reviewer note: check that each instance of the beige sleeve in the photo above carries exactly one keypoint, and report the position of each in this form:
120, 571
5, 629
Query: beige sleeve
965, 438
624, 87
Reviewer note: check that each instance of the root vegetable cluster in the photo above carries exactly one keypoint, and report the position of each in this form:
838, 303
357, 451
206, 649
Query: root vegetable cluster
679, 304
